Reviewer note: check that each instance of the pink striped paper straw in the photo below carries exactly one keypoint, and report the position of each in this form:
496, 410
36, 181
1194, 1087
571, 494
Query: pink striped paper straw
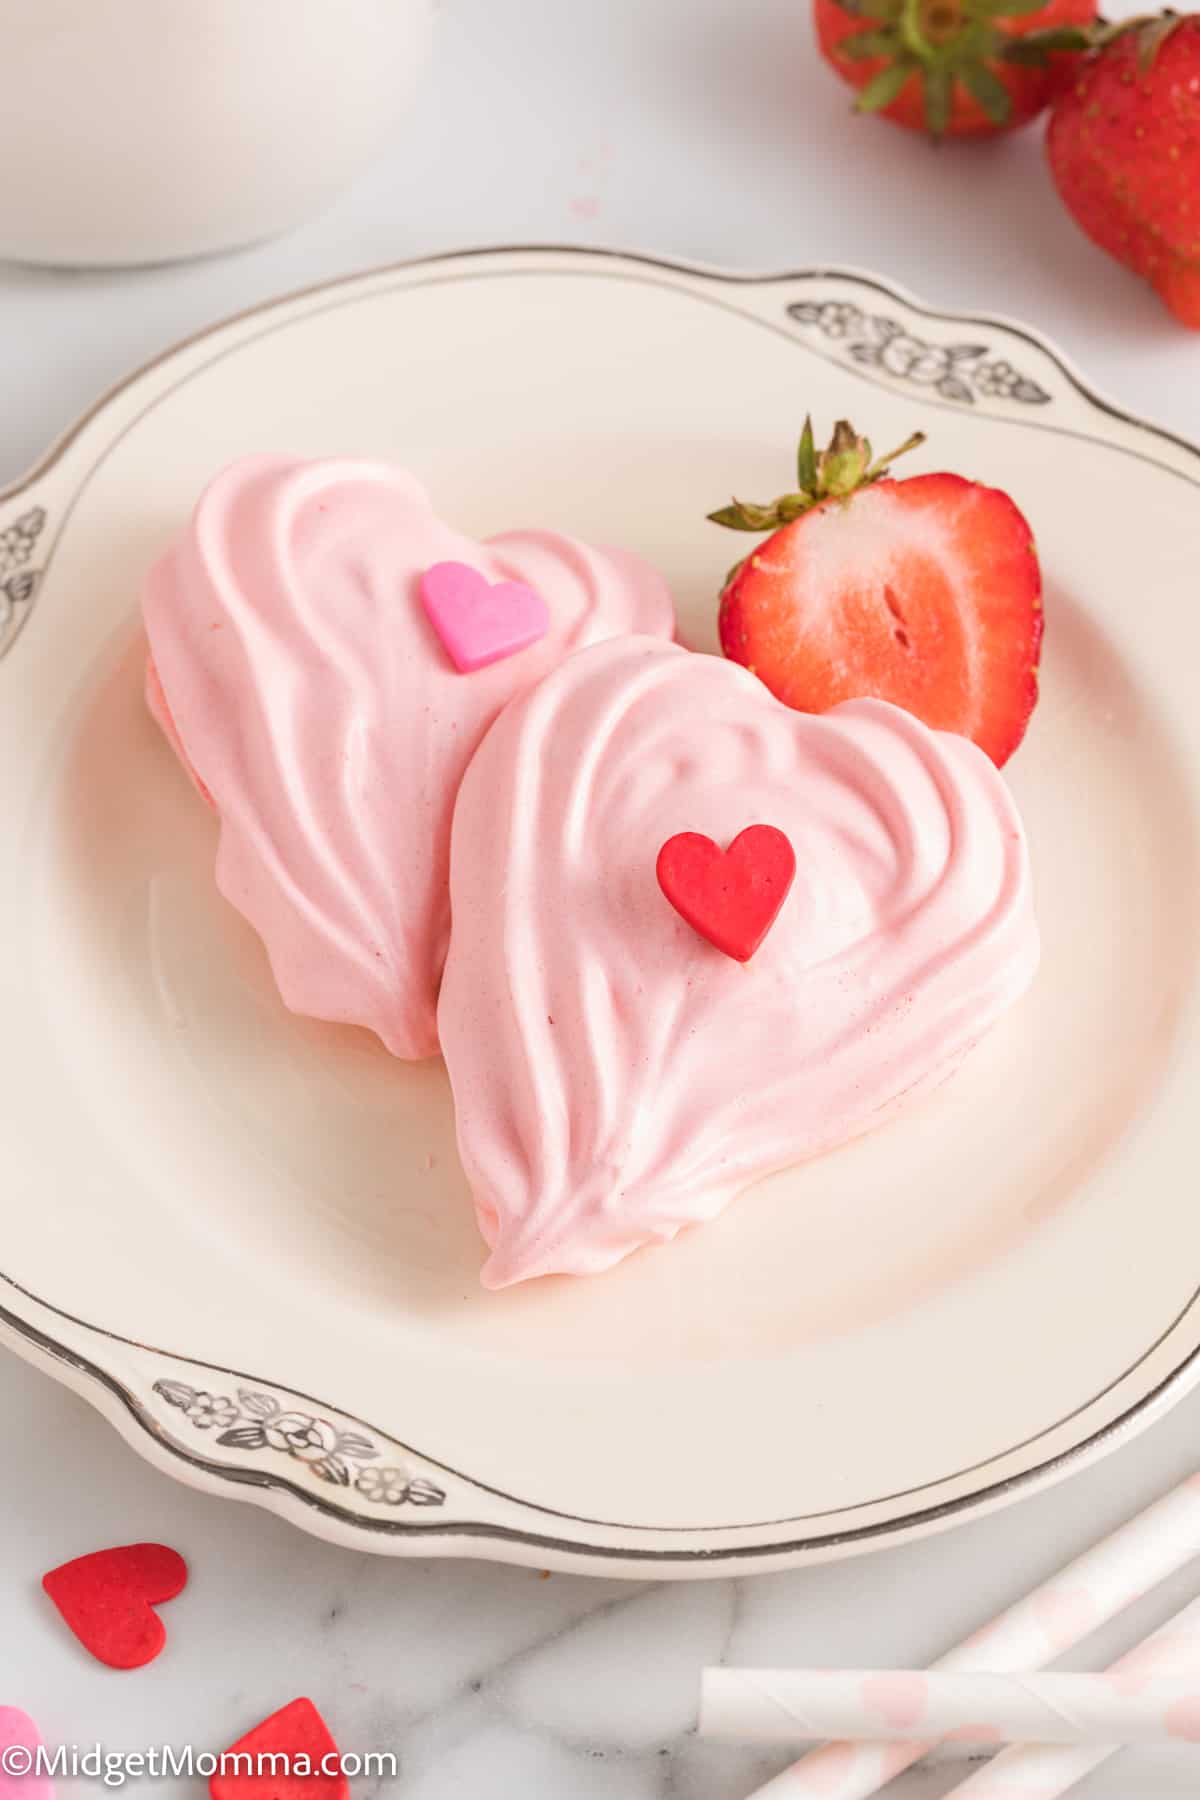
1060, 1614
767, 1706
1044, 1771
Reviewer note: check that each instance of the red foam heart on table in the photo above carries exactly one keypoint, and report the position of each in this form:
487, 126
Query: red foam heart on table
108, 1600
731, 897
298, 1734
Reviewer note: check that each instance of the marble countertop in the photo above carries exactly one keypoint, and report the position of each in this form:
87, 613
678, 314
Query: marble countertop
706, 130
491, 1683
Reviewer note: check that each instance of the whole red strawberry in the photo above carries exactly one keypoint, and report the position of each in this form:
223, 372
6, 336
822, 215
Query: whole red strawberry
1124, 150
943, 66
925, 592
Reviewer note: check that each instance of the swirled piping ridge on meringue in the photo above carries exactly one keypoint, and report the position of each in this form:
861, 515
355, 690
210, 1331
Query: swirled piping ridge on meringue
296, 673
615, 1077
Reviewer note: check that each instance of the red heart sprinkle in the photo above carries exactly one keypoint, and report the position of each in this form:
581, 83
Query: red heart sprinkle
299, 1736
731, 897
108, 1598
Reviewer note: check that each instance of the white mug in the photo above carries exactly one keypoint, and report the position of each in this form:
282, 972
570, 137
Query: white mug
143, 130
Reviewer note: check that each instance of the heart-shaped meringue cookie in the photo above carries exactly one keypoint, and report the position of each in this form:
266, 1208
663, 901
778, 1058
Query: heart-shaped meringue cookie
615, 1076
297, 673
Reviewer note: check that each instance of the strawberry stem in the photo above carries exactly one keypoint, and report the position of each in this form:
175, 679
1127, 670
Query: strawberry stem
834, 473
882, 462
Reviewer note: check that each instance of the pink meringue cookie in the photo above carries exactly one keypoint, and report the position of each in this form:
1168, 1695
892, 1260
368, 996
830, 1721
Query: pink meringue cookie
295, 671
615, 1077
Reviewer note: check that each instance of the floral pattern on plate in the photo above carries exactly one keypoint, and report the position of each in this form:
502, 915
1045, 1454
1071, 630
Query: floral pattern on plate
258, 1421
18, 582
962, 372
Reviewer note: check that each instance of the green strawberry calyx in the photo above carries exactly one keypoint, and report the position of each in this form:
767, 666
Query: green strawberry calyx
1150, 32
942, 44
835, 473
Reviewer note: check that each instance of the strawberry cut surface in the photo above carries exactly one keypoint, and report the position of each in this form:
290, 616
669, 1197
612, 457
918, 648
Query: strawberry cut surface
924, 592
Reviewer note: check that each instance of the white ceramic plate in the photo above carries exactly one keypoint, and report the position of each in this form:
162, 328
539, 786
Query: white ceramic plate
246, 1237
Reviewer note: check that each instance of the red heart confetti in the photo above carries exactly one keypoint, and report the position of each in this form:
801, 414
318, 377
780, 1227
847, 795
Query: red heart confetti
731, 897
298, 1736
108, 1600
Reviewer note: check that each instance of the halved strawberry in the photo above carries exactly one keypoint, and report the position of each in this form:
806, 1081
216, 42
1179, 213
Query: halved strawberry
925, 592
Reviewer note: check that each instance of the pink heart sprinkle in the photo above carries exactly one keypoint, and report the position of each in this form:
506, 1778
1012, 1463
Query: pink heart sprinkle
478, 621
899, 1698
19, 1734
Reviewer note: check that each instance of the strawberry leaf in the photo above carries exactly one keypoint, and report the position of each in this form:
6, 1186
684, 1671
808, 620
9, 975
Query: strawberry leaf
988, 91
1036, 49
938, 87
742, 515
887, 86
1149, 34
806, 459
880, 40
1152, 37
872, 9
834, 473
1007, 9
